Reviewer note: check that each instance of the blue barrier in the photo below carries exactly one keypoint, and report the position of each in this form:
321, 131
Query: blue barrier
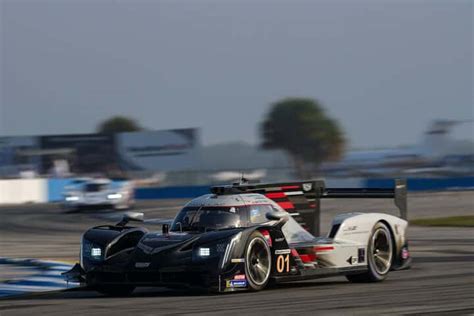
425, 184
56, 188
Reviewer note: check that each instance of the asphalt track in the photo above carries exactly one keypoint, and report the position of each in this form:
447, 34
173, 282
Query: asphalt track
441, 281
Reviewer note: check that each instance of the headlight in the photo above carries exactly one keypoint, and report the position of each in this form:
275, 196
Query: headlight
96, 252
220, 250
72, 198
204, 252
114, 196
91, 250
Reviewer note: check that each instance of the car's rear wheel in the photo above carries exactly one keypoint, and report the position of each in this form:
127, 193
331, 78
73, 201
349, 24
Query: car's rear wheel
115, 290
379, 256
258, 262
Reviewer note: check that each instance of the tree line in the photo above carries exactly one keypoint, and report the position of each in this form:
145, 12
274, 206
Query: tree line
299, 126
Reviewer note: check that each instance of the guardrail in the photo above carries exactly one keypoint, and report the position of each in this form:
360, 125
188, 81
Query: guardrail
20, 191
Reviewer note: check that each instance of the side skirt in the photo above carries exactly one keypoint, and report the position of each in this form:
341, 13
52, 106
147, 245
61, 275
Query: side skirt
320, 273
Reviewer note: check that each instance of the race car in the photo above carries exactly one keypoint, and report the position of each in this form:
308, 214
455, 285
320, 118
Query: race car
247, 237
90, 193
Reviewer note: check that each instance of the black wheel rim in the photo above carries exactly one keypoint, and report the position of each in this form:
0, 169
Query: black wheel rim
381, 251
258, 261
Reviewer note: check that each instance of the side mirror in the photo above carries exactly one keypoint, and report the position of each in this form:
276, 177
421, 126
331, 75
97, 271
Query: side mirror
165, 228
131, 217
278, 216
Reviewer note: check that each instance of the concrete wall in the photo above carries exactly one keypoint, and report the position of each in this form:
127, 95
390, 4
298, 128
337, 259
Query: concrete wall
23, 191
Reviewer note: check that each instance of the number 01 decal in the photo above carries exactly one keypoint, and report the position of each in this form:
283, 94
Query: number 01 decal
283, 263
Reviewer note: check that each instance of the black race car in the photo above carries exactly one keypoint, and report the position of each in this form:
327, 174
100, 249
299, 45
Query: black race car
244, 236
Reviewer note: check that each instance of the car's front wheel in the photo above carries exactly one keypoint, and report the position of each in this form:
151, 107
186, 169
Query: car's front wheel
379, 256
258, 262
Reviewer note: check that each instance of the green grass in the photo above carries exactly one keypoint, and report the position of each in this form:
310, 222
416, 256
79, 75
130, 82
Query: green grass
452, 221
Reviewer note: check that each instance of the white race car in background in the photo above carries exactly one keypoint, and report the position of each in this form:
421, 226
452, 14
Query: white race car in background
88, 193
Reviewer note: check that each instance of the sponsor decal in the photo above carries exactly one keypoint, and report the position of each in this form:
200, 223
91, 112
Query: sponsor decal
405, 253
307, 186
239, 277
236, 283
283, 263
350, 228
279, 239
237, 260
142, 264
282, 251
356, 232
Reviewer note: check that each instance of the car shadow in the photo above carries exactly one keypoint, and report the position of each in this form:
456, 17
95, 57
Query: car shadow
81, 293
90, 210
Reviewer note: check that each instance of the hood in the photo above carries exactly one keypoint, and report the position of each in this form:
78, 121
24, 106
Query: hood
170, 251
158, 240
155, 242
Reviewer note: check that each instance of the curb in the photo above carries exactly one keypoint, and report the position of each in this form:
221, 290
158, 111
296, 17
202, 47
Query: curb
45, 277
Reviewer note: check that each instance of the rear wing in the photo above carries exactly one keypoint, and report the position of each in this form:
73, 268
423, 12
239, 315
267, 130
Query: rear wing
302, 199
398, 193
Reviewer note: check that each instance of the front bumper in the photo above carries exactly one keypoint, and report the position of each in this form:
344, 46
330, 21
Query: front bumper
103, 204
185, 278
193, 276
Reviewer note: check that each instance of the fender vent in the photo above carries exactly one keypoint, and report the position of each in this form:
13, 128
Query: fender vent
334, 230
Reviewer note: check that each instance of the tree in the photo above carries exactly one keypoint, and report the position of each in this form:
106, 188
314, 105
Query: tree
302, 128
118, 124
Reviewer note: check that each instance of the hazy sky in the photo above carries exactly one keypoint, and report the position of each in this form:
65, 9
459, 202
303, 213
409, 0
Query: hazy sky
385, 69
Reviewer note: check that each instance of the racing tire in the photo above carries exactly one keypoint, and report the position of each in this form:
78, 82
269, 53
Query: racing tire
115, 290
379, 256
258, 262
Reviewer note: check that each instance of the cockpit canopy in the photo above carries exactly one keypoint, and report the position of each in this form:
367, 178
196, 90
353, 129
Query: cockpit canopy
209, 218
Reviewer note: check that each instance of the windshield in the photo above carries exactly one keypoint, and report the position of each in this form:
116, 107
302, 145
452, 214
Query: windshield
209, 218
204, 219
95, 187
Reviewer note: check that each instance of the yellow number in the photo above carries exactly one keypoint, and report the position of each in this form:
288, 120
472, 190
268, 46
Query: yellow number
283, 263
